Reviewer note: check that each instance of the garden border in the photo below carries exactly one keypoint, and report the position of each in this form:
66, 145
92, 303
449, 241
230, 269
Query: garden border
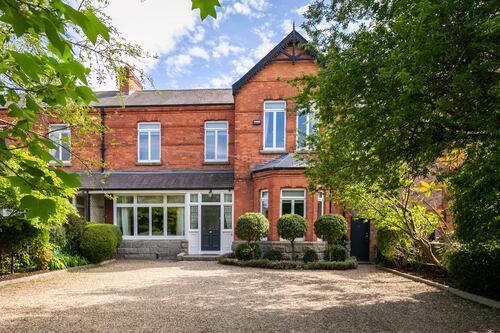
463, 294
48, 274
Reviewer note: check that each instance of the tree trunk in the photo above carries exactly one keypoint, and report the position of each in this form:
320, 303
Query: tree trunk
293, 250
425, 247
330, 251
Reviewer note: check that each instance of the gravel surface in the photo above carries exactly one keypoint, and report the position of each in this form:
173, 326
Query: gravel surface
160, 296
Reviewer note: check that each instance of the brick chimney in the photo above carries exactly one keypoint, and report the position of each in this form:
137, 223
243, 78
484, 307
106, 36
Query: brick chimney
129, 83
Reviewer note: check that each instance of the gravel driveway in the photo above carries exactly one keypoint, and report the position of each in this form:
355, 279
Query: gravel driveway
159, 296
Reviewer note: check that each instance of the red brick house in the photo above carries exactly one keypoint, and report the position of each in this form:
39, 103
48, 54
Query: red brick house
182, 165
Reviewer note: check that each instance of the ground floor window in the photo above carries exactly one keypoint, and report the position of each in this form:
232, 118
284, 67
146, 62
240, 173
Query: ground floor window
151, 215
321, 203
293, 201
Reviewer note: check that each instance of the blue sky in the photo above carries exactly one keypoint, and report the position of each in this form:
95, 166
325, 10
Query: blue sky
196, 54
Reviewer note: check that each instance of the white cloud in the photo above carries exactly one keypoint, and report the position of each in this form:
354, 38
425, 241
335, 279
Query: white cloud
242, 65
178, 64
265, 34
251, 8
199, 52
287, 26
302, 10
224, 48
222, 81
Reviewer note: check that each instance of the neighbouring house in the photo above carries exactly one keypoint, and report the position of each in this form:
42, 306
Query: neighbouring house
182, 165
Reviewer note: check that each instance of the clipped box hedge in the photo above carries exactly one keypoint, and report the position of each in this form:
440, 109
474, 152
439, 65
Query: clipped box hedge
350, 263
99, 241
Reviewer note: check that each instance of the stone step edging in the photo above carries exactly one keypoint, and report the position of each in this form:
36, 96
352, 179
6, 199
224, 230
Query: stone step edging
471, 297
49, 274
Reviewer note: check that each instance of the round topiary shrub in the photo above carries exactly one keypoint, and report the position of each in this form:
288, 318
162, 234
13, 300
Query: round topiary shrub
331, 228
310, 256
273, 255
252, 227
98, 242
248, 251
291, 226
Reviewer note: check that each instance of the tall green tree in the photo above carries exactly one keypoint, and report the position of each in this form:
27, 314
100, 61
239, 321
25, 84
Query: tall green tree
405, 84
48, 49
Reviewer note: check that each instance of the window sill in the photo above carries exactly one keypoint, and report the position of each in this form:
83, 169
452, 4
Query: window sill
275, 151
148, 163
64, 164
215, 162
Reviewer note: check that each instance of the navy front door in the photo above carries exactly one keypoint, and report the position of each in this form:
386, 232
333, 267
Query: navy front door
210, 228
360, 239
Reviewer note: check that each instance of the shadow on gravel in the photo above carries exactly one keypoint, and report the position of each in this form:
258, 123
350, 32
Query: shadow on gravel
210, 298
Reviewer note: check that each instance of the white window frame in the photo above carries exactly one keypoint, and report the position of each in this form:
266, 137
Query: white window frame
309, 130
217, 130
321, 200
55, 135
293, 200
149, 131
304, 198
187, 211
274, 113
261, 206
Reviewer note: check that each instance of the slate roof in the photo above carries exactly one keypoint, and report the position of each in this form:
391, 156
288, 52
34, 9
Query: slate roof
158, 180
165, 97
282, 162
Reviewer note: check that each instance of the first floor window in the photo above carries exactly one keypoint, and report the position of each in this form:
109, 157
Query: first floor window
149, 139
216, 141
274, 125
293, 202
60, 135
305, 127
321, 203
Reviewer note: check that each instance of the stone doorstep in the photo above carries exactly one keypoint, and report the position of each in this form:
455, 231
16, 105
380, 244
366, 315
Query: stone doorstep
463, 294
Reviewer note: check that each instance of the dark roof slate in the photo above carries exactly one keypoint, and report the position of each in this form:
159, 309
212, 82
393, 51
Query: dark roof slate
282, 162
165, 97
158, 180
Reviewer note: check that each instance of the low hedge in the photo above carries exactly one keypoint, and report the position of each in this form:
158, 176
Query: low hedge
273, 255
350, 263
476, 269
99, 242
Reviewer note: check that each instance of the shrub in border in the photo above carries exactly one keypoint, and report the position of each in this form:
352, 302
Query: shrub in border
476, 268
248, 251
330, 228
273, 255
310, 256
251, 227
291, 226
350, 263
99, 241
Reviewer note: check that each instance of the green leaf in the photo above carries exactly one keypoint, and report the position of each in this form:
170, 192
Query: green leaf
54, 37
207, 7
69, 179
35, 207
29, 64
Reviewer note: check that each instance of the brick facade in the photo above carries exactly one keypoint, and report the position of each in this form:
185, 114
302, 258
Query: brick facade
182, 142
